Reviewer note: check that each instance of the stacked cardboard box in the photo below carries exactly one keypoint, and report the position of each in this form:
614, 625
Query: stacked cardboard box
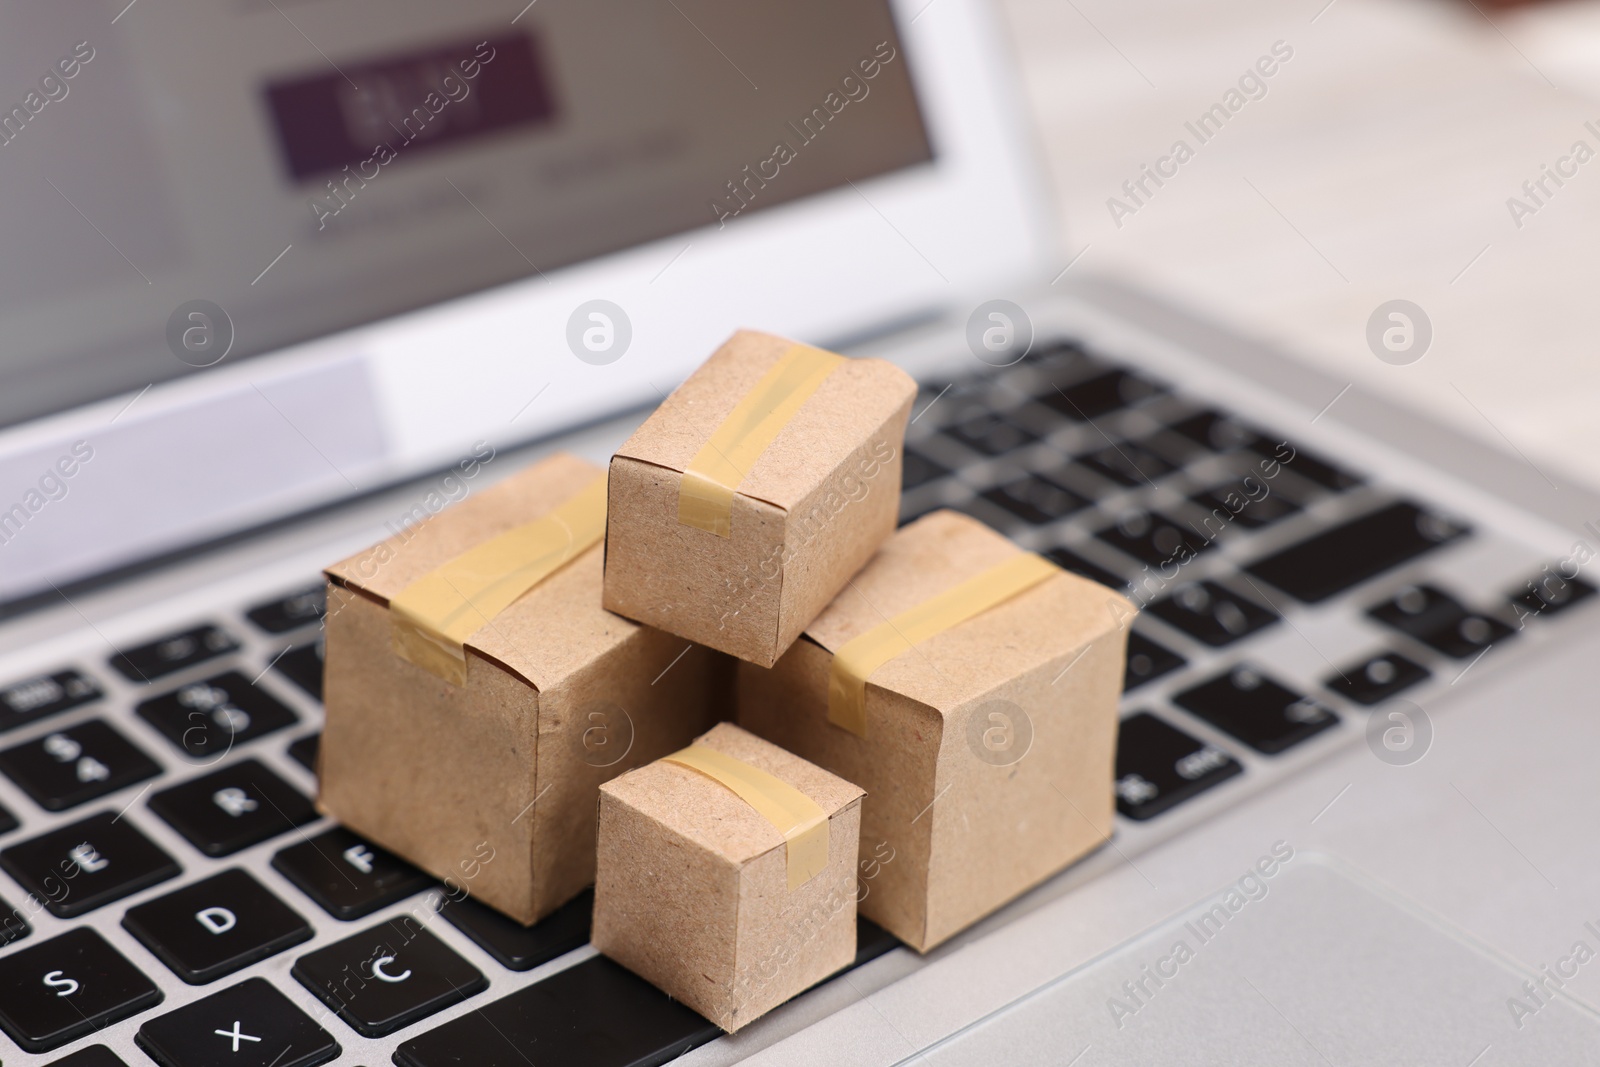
501, 676
500, 752
986, 750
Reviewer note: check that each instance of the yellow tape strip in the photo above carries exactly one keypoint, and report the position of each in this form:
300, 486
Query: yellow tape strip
801, 820
705, 495
854, 663
431, 619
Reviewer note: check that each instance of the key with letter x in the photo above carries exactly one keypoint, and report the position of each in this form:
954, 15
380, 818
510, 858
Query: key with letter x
247, 1025
236, 1035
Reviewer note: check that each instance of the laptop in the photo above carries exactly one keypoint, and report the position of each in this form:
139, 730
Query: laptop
284, 278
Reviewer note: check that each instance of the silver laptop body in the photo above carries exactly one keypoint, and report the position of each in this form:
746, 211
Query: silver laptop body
284, 279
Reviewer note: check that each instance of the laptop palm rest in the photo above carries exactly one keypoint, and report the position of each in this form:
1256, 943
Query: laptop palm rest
1310, 966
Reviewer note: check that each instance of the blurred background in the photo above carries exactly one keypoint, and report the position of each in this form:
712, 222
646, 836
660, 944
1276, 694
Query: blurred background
1377, 166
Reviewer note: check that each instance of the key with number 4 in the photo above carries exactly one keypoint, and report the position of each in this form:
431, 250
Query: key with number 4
73, 766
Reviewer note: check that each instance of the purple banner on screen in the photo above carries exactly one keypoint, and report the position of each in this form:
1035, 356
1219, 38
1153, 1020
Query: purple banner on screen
443, 96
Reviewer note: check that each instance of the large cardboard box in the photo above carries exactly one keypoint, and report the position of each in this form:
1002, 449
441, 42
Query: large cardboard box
986, 749
701, 893
491, 780
744, 503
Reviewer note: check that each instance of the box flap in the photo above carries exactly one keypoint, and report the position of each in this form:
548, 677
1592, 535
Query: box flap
933, 554
552, 630
848, 407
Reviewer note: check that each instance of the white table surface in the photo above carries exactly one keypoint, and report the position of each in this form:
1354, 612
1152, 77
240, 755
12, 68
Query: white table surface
1377, 167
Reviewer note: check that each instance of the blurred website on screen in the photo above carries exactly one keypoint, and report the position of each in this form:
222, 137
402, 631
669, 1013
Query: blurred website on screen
408, 152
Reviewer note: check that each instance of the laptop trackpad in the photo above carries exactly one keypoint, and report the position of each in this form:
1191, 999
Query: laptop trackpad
1310, 966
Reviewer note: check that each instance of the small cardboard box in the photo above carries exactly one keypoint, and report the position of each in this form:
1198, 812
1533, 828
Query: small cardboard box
988, 749
793, 460
492, 783
699, 893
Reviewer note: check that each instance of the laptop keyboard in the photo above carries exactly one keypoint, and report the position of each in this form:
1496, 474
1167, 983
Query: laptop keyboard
1222, 532
1117, 477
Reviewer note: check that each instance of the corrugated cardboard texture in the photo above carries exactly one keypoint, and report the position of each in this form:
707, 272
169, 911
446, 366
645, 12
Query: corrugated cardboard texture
947, 837
693, 891
816, 505
508, 765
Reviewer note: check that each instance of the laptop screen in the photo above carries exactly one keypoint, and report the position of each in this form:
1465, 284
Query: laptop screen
190, 179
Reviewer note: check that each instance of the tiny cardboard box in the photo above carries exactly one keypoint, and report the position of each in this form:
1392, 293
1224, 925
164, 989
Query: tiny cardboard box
745, 502
701, 894
988, 745
492, 783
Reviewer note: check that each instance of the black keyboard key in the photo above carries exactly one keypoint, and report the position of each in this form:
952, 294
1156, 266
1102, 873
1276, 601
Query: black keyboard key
347, 876
93, 1056
233, 808
1305, 464
1251, 504
1148, 661
574, 1017
304, 751
73, 766
1036, 499
13, 926
1069, 560
1159, 766
1209, 613
1127, 464
1549, 594
302, 665
1377, 679
33, 699
247, 1025
387, 978
300, 608
518, 947
1334, 560
61, 989
158, 658
988, 432
1152, 538
1440, 621
918, 470
1100, 395
1265, 715
76, 868
209, 718
214, 927
1417, 610
1216, 432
